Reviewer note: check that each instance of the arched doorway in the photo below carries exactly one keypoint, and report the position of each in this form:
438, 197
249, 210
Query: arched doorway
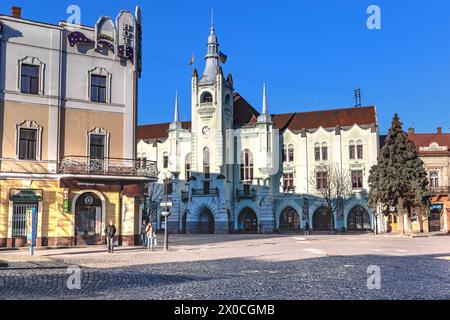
206, 222
358, 219
289, 220
248, 221
323, 220
88, 219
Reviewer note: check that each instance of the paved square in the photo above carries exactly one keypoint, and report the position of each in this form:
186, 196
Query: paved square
239, 267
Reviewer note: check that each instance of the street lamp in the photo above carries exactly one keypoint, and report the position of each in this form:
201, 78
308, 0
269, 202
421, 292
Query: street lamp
166, 177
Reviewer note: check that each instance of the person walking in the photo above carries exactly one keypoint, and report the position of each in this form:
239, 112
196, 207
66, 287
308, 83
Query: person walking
144, 233
151, 237
307, 229
110, 233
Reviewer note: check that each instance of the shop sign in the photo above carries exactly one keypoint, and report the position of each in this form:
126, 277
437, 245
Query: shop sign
25, 195
437, 207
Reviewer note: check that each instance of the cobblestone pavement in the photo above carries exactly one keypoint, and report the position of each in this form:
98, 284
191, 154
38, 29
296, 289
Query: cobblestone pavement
239, 267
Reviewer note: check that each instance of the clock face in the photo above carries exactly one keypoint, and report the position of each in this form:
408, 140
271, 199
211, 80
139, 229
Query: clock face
206, 131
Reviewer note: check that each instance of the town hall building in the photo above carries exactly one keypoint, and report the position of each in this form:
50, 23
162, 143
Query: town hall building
241, 169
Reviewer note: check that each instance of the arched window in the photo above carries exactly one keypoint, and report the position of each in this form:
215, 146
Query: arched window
207, 170
291, 153
324, 152
247, 166
165, 160
317, 151
359, 150
352, 150
188, 166
206, 98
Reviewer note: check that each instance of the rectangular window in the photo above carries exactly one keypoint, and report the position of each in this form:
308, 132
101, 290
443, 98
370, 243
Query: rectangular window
27, 144
317, 153
434, 179
360, 152
283, 155
352, 152
321, 180
97, 146
288, 182
165, 161
357, 179
29, 79
188, 171
98, 88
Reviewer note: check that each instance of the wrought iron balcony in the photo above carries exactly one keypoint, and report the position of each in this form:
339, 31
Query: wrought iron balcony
246, 194
108, 166
440, 190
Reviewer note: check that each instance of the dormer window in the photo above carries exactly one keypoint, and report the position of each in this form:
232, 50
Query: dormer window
207, 98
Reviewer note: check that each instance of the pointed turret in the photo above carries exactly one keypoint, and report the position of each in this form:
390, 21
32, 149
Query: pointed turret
176, 124
212, 55
265, 116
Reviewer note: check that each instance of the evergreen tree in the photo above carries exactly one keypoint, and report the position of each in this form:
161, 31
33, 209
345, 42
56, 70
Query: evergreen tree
399, 179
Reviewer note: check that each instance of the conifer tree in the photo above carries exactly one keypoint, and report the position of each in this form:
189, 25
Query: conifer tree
399, 179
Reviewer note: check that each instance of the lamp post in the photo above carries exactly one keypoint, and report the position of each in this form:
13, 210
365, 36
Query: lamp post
166, 177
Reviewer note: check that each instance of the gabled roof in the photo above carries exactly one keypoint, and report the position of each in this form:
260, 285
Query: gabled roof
246, 115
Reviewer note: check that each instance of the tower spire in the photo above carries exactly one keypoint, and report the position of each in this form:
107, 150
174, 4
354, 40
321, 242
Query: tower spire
213, 29
265, 116
212, 55
176, 124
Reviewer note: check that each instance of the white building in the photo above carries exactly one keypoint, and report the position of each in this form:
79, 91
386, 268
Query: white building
235, 173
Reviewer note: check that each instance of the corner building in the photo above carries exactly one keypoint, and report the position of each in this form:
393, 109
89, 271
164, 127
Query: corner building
68, 106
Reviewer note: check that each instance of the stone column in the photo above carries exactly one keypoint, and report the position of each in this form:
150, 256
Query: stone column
266, 210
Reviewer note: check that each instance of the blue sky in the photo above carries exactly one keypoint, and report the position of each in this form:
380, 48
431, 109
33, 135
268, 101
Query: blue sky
311, 53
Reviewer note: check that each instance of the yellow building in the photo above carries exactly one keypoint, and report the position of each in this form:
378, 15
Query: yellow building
68, 105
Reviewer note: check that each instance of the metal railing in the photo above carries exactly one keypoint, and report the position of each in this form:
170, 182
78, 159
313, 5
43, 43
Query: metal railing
440, 190
205, 192
246, 194
108, 166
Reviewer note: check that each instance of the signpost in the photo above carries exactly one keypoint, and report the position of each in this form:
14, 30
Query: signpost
31, 229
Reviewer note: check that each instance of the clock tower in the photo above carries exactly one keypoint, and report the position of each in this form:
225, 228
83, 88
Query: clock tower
212, 113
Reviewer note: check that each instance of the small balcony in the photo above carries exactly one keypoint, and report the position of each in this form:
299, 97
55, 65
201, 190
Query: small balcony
78, 165
213, 192
440, 190
246, 194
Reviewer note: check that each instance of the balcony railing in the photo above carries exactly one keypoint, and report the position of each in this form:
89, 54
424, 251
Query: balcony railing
205, 192
440, 190
246, 194
108, 166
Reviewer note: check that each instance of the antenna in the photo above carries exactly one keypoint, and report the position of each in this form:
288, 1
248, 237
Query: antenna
358, 98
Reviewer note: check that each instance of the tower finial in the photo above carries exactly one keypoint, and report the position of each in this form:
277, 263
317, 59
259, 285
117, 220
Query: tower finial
212, 20
265, 116
176, 117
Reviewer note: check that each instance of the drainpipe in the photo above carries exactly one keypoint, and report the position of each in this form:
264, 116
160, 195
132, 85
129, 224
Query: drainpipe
120, 235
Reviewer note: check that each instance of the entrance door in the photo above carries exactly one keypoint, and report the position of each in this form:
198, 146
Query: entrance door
19, 222
435, 220
248, 221
289, 220
88, 220
206, 223
358, 219
323, 220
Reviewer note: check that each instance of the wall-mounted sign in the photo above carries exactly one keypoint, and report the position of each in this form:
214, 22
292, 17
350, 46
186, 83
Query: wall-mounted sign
437, 207
126, 26
105, 34
27, 195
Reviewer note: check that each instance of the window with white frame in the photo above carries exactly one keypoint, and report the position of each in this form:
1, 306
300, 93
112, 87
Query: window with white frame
31, 76
99, 80
188, 166
288, 182
434, 179
28, 139
247, 166
290, 153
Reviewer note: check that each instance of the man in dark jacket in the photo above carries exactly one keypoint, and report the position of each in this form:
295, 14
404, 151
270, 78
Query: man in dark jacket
110, 233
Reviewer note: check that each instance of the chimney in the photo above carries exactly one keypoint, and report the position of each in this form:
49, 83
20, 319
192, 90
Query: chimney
411, 131
439, 130
16, 12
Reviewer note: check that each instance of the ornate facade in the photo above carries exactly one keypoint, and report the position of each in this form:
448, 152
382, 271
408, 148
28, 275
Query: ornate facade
239, 170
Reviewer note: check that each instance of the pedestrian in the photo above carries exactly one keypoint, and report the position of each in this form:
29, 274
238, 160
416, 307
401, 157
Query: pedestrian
151, 237
144, 234
110, 233
307, 229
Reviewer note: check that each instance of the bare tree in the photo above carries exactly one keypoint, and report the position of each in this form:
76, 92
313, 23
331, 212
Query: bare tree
155, 195
333, 185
